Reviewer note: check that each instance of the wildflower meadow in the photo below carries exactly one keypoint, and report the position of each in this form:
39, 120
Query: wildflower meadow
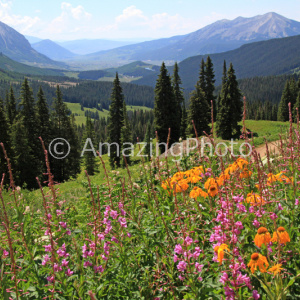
207, 227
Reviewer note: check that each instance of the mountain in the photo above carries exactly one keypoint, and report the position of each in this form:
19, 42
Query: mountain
32, 39
15, 46
86, 46
7, 64
52, 50
272, 57
221, 36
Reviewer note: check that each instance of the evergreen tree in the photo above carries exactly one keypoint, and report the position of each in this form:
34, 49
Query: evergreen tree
177, 90
126, 136
166, 113
64, 127
297, 105
230, 106
184, 120
283, 109
198, 112
115, 122
147, 150
11, 106
210, 85
202, 76
5, 138
90, 163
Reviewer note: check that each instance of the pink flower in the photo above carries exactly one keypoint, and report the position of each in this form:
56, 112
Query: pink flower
50, 278
59, 212
279, 207
128, 234
104, 257
255, 295
296, 202
69, 272
178, 249
91, 253
48, 248
273, 216
49, 216
98, 269
113, 239
123, 212
64, 263
87, 264
47, 232
224, 278
123, 222
188, 240
57, 267
101, 236
5, 253
114, 214
181, 277
46, 259
175, 258
256, 223
63, 224
68, 232
198, 267
181, 266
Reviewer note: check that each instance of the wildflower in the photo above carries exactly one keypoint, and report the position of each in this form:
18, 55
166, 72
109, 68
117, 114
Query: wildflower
128, 234
196, 192
241, 162
87, 264
46, 259
113, 239
122, 222
283, 178
98, 269
263, 236
49, 216
220, 251
59, 212
57, 267
213, 190
260, 261
198, 267
188, 240
209, 182
178, 249
256, 223
271, 178
114, 214
175, 258
245, 173
281, 235
181, 186
255, 295
181, 266
296, 202
280, 207
5, 253
63, 224
273, 216
255, 199
50, 278
181, 277
64, 263
69, 272
48, 248
276, 269
194, 179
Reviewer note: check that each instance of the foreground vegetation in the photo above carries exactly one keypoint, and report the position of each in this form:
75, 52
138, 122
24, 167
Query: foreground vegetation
204, 228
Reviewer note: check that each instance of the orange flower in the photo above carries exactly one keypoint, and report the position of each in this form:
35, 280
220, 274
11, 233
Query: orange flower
283, 178
194, 179
281, 235
220, 251
196, 192
276, 269
260, 261
222, 178
241, 162
245, 173
167, 184
178, 176
213, 190
255, 199
209, 182
263, 236
181, 186
271, 178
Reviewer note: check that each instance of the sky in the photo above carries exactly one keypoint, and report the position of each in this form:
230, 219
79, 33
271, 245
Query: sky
130, 19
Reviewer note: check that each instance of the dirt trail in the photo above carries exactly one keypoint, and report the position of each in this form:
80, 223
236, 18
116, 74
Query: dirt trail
274, 148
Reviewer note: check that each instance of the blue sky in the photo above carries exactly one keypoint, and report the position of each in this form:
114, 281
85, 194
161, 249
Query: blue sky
127, 19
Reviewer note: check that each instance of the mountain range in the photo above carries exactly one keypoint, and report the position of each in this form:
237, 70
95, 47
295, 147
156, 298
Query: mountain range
221, 36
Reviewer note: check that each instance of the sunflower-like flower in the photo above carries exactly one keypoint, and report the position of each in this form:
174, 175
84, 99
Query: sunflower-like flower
255, 199
222, 178
209, 182
196, 192
263, 236
181, 186
213, 190
241, 162
281, 235
245, 173
260, 261
283, 178
220, 251
271, 178
276, 269
194, 179
167, 184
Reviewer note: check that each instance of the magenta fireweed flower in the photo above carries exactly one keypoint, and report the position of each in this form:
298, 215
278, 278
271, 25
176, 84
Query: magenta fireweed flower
123, 222
49, 216
48, 248
178, 249
47, 232
59, 212
188, 240
198, 267
114, 214
256, 223
64, 263
255, 295
114, 239
181, 266
273, 216
279, 207
121, 205
123, 212
98, 269
181, 277
69, 272
128, 234
68, 232
5, 253
224, 278
50, 278
57, 267
241, 208
229, 293
91, 253
104, 257
296, 202
87, 264
45, 260
63, 225
101, 236
175, 258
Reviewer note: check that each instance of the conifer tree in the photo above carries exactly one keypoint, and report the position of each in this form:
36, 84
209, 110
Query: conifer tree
126, 136
177, 90
166, 113
210, 85
115, 123
283, 109
90, 163
147, 150
11, 106
64, 127
297, 105
5, 138
184, 120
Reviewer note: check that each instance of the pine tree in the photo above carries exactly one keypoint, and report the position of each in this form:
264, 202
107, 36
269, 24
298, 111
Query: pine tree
178, 90
90, 163
184, 120
5, 138
210, 85
64, 127
198, 112
229, 106
147, 150
126, 136
283, 109
166, 113
11, 106
115, 123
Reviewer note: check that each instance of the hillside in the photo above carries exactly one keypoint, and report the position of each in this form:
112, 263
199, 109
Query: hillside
221, 36
15, 46
52, 50
272, 57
